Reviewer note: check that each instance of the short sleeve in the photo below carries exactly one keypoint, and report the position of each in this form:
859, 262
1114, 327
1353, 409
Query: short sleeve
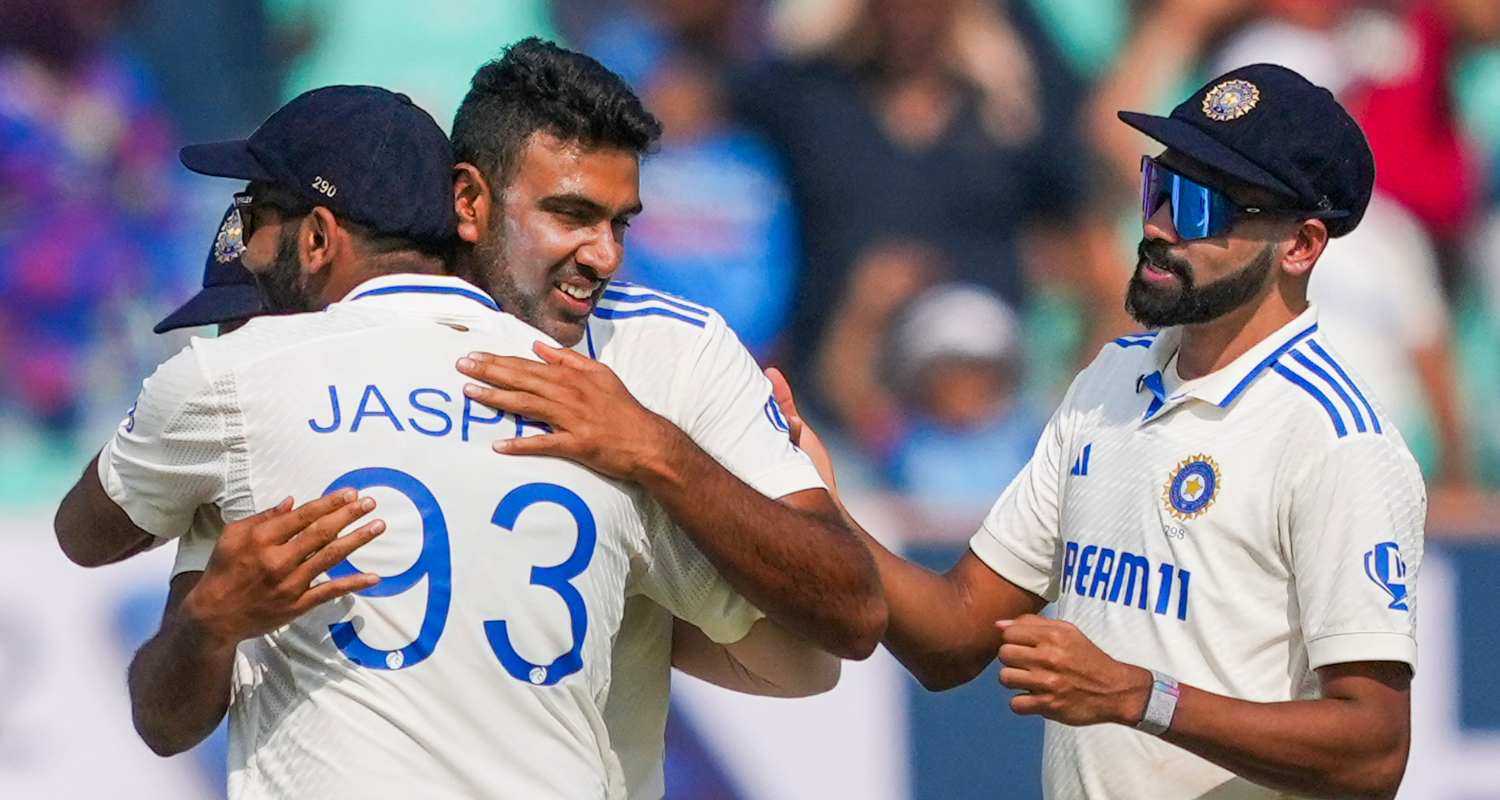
724, 403
196, 546
171, 453
1019, 539
1355, 537
682, 580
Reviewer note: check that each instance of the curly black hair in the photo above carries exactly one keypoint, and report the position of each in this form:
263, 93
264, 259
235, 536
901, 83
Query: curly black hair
539, 86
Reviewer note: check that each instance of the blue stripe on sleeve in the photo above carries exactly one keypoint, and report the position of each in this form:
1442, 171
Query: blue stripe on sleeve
1323, 354
649, 311
1359, 420
622, 297
1301, 383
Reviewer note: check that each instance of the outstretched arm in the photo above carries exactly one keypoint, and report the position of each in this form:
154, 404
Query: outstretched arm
941, 627
795, 559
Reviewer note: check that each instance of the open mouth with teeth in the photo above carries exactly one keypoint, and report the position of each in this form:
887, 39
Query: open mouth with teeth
578, 296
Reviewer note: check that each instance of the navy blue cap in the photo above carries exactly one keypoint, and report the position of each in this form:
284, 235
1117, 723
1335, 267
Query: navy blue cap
367, 154
1269, 127
229, 293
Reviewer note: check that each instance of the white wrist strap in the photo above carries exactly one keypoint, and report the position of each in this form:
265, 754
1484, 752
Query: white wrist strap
1161, 706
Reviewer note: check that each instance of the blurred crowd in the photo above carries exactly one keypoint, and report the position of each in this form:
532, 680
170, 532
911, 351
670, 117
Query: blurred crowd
925, 210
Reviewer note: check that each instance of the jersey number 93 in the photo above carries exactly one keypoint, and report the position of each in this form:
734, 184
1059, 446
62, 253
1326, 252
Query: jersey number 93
435, 564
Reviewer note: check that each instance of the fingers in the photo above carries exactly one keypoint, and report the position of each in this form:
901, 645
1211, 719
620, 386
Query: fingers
561, 355
323, 530
1029, 629
781, 389
334, 552
332, 590
517, 402
547, 444
1018, 655
1028, 705
1024, 680
509, 373
282, 528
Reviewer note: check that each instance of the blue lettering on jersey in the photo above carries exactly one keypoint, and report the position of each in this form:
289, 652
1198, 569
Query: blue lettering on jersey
1387, 569
416, 404
432, 412
372, 392
1125, 578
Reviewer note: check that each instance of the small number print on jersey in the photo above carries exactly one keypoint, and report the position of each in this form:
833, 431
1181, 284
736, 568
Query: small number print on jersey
130, 417
324, 186
1192, 487
1387, 569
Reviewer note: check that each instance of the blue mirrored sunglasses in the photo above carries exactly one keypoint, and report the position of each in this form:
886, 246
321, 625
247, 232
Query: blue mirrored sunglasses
1198, 211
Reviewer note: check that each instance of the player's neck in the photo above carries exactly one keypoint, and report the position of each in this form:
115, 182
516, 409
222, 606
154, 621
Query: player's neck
1210, 346
343, 281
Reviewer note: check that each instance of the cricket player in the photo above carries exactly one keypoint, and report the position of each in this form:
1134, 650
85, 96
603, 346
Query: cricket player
468, 650
1225, 522
659, 391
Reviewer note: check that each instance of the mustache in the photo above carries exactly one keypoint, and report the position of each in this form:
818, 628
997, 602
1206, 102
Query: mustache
1154, 252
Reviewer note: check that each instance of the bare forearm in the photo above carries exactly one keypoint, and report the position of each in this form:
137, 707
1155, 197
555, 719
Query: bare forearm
937, 628
1321, 748
179, 685
769, 662
91, 529
808, 573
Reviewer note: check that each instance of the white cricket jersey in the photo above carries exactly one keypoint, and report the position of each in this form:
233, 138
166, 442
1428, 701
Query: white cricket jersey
1237, 531
481, 664
682, 361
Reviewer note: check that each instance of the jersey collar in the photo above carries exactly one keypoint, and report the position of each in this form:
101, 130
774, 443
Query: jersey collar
439, 293
1223, 386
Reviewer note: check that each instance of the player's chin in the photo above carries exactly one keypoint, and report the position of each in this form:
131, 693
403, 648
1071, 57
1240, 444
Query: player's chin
565, 324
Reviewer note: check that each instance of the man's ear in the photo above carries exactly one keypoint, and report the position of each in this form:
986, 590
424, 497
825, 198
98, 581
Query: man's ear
472, 202
319, 240
1307, 245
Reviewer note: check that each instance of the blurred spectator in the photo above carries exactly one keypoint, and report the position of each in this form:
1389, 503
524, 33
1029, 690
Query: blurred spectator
944, 121
1427, 162
89, 211
1480, 342
957, 367
719, 227
936, 399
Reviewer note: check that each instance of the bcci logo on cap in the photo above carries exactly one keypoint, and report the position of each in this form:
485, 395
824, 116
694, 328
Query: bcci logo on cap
1384, 566
1192, 487
229, 244
1230, 100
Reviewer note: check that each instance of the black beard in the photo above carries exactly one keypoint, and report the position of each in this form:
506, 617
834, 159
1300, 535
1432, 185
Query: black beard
488, 270
281, 286
1188, 304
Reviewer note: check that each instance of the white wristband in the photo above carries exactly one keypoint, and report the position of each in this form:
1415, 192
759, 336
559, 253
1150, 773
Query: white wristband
1161, 706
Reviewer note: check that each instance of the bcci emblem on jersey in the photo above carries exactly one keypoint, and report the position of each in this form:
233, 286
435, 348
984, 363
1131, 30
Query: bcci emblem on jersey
1387, 569
1192, 487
